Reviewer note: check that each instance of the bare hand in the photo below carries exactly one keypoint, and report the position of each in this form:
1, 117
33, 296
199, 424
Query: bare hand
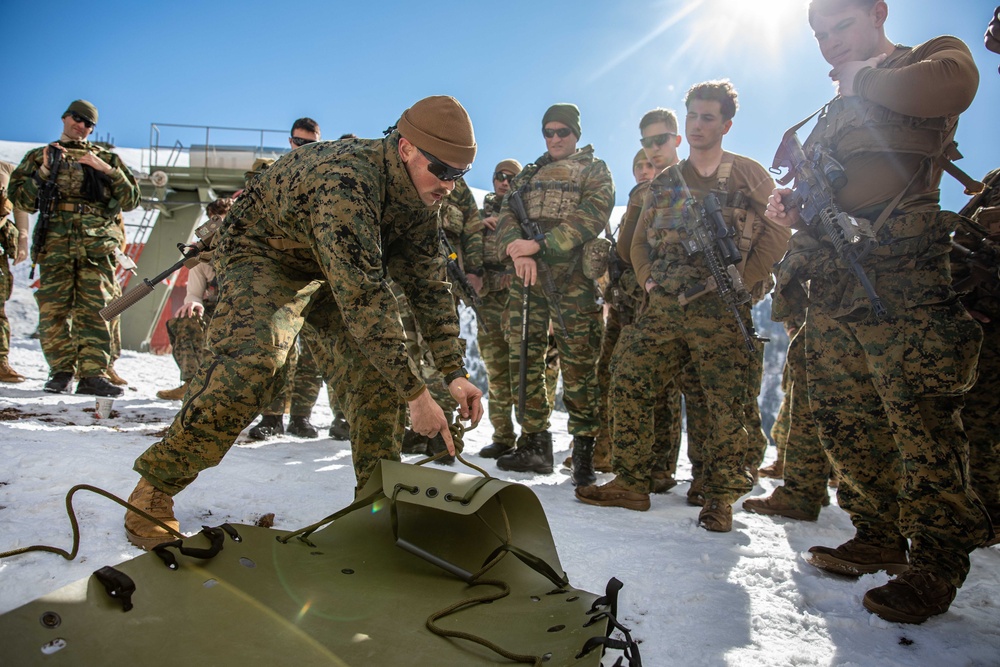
776, 210
522, 248
192, 309
470, 400
22, 250
475, 281
491, 222
844, 74
427, 418
97, 163
981, 317
527, 270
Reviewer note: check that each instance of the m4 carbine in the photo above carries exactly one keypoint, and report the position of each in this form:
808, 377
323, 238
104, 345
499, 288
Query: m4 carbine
205, 234
531, 232
469, 295
705, 231
48, 197
817, 178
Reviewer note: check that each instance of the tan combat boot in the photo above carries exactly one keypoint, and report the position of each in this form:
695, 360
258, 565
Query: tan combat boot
8, 374
613, 495
115, 378
912, 597
716, 516
854, 558
139, 530
175, 394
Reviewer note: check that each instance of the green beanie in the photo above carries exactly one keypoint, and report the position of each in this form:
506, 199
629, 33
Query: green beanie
84, 109
565, 113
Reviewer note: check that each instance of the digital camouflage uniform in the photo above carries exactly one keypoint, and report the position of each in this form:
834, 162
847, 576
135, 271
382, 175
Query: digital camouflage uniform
8, 251
976, 279
77, 264
886, 395
666, 334
350, 220
623, 299
571, 200
189, 335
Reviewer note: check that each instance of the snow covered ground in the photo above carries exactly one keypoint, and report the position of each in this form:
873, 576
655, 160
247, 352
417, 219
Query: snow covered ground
692, 597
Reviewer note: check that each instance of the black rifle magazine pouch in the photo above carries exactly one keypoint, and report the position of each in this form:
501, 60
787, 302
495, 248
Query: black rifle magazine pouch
428, 567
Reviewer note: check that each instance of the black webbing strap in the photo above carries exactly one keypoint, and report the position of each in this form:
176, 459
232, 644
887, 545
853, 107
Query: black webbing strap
116, 584
532, 561
216, 537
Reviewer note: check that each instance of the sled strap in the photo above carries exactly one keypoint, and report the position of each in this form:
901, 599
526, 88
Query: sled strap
117, 584
216, 536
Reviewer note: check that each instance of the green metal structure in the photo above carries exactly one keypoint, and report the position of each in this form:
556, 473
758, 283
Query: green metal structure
189, 166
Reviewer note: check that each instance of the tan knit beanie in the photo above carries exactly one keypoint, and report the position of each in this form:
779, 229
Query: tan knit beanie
639, 157
510, 164
440, 126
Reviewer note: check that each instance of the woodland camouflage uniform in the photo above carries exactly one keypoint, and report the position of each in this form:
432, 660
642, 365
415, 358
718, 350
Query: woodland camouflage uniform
571, 200
349, 220
77, 264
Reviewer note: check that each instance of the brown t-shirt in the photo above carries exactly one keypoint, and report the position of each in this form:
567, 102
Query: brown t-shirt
935, 80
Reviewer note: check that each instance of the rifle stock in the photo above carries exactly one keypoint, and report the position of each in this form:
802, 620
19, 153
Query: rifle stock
816, 181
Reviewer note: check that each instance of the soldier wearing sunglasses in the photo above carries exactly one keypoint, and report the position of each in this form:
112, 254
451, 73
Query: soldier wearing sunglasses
569, 192
319, 238
77, 262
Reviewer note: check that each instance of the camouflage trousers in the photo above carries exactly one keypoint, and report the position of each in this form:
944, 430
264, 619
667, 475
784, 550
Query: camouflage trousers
6, 288
578, 349
300, 382
189, 341
982, 405
652, 354
422, 356
666, 411
887, 398
263, 305
73, 288
807, 467
697, 419
495, 354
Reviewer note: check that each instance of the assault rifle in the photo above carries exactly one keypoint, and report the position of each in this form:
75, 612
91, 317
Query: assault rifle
705, 231
48, 197
531, 231
616, 295
470, 297
205, 234
817, 178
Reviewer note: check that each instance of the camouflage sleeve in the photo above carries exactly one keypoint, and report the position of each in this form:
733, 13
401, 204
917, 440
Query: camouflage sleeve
508, 230
597, 199
640, 251
415, 264
345, 226
472, 232
23, 189
123, 185
626, 228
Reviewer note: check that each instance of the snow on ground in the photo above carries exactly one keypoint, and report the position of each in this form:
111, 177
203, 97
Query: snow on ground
691, 597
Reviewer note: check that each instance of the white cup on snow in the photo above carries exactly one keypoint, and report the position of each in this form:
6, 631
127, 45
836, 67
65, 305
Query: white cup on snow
102, 410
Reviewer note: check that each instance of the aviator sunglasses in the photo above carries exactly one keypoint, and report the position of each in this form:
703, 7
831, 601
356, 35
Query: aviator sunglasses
562, 132
77, 118
443, 172
657, 139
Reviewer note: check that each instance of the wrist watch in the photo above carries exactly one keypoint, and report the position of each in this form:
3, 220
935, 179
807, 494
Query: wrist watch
455, 374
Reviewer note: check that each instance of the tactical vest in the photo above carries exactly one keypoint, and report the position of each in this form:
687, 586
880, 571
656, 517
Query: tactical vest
71, 178
663, 231
554, 192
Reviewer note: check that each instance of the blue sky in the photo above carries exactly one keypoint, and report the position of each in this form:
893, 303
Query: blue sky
355, 66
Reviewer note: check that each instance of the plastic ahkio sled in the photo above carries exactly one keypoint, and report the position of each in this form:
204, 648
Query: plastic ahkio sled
428, 567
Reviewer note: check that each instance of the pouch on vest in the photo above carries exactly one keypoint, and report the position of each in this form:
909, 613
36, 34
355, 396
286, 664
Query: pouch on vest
428, 567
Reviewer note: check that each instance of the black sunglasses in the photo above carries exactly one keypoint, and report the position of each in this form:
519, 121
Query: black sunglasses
657, 139
563, 132
503, 177
77, 118
443, 172
301, 141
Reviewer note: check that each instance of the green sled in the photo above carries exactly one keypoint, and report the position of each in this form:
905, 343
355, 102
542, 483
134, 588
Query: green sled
428, 567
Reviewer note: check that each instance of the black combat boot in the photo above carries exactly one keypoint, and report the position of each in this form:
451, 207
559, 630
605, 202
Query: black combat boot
98, 386
58, 383
583, 460
340, 429
414, 443
534, 455
495, 450
268, 427
435, 445
299, 426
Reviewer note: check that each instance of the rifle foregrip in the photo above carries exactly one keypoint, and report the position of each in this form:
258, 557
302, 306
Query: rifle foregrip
126, 301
